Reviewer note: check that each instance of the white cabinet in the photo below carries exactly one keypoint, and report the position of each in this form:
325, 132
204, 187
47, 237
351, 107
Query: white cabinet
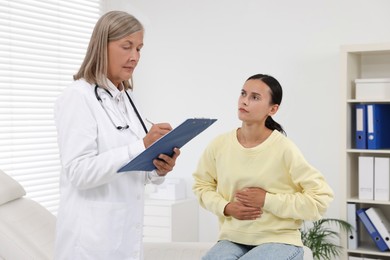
171, 221
357, 62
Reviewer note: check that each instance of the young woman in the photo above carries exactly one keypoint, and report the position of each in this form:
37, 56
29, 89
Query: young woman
258, 183
100, 130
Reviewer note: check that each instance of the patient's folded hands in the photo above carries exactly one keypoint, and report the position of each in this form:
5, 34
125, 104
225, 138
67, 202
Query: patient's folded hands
239, 211
251, 197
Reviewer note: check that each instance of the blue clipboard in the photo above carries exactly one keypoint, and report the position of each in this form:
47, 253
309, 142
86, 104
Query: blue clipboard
178, 137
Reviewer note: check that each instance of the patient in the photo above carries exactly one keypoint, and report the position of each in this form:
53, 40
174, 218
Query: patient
258, 183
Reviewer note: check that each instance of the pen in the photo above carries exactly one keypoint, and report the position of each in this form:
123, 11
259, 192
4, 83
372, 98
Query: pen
150, 122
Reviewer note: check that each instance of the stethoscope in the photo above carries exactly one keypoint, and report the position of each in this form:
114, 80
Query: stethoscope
119, 127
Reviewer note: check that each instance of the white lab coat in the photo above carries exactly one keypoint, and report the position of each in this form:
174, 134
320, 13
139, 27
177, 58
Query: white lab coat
101, 212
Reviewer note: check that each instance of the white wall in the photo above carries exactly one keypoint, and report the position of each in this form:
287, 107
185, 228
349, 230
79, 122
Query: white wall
198, 54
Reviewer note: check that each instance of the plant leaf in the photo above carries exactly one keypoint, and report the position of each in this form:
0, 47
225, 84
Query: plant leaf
319, 237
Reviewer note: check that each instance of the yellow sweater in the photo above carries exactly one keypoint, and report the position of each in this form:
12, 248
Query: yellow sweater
295, 190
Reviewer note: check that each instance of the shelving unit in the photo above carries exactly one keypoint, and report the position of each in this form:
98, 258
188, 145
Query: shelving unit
360, 61
171, 220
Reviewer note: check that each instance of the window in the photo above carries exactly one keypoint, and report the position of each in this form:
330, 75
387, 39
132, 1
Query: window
42, 44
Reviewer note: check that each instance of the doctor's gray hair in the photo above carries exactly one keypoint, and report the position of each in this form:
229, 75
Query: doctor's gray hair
112, 26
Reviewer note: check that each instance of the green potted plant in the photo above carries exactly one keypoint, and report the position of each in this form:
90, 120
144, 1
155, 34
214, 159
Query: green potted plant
322, 239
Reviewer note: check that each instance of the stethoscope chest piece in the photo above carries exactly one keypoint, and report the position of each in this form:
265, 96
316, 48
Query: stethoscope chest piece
122, 126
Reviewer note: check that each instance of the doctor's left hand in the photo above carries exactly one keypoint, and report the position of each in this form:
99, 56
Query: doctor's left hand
164, 163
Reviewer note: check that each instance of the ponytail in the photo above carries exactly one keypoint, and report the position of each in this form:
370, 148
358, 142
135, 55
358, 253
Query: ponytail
273, 125
276, 98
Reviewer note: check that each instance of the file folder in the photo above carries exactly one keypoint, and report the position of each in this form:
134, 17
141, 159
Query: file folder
366, 177
380, 222
352, 219
371, 229
378, 126
178, 137
372, 89
382, 178
361, 126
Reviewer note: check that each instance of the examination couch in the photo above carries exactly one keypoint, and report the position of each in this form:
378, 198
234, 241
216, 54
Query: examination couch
27, 231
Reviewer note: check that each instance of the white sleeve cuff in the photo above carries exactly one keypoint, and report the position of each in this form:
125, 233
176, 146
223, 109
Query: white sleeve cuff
154, 178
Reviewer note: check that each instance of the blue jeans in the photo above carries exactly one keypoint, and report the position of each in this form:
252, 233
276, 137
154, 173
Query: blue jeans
227, 250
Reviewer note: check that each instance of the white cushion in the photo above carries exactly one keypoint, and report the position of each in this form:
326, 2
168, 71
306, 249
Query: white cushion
308, 254
175, 250
27, 231
9, 189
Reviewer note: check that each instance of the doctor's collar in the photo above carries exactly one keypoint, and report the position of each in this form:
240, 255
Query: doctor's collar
114, 91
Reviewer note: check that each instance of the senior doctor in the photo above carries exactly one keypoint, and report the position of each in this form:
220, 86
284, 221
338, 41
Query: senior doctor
100, 130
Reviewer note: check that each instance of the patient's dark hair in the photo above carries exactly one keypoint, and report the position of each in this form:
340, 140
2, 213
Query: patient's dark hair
276, 98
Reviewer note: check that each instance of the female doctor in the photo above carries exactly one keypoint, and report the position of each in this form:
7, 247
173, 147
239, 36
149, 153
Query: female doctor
100, 130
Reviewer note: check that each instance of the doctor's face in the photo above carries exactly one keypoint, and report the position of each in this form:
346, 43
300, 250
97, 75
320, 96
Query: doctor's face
123, 57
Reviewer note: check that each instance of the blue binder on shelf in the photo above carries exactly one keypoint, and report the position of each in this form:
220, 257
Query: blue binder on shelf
378, 126
372, 230
178, 137
361, 126
379, 220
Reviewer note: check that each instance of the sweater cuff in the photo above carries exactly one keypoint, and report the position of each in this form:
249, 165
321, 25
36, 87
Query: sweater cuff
221, 207
268, 201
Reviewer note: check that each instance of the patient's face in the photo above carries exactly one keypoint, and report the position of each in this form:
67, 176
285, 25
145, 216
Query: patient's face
254, 103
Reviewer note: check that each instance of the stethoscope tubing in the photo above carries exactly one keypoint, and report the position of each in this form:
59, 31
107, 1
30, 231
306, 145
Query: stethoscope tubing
132, 104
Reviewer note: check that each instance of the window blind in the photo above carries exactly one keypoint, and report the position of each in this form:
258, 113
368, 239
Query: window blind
42, 44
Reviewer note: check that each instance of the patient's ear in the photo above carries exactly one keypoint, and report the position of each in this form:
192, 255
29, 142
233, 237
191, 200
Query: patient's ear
274, 108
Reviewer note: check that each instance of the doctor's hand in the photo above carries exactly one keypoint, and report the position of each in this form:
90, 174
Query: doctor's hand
164, 163
156, 132
251, 197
